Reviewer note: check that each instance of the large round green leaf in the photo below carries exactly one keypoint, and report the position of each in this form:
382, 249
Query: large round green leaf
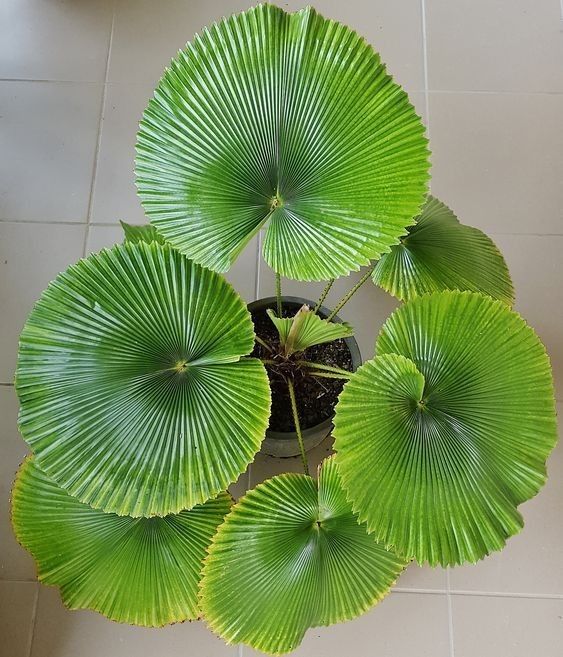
143, 571
289, 119
134, 396
439, 253
291, 555
447, 430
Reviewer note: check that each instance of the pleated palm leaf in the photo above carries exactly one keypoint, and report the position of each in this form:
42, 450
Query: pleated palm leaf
136, 396
440, 253
447, 430
306, 329
291, 555
288, 121
142, 571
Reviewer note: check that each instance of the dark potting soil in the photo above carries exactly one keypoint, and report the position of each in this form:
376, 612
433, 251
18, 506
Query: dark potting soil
315, 397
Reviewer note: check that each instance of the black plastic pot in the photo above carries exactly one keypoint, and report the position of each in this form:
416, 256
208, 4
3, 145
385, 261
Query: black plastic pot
284, 443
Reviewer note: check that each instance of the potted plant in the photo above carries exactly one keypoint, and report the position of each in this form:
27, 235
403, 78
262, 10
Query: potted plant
313, 372
146, 384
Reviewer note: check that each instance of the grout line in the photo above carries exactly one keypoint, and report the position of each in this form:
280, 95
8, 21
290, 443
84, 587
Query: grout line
448, 592
409, 91
51, 81
33, 618
113, 224
99, 140
495, 93
425, 65
499, 594
239, 650
450, 612
399, 589
57, 222
9, 385
526, 234
39, 222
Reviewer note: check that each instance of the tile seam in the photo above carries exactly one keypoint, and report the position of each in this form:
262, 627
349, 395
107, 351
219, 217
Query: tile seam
425, 65
487, 92
33, 619
500, 594
51, 81
450, 613
99, 138
110, 224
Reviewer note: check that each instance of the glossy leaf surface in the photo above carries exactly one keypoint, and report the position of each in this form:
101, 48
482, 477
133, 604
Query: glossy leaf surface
440, 253
142, 571
447, 430
289, 120
291, 555
134, 394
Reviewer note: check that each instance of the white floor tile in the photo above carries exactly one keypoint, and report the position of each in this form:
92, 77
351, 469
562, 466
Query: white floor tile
55, 40
115, 195
507, 627
476, 45
63, 633
48, 141
497, 160
148, 34
418, 577
103, 237
17, 609
535, 266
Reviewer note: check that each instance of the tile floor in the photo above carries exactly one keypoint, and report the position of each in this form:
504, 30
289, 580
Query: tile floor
488, 80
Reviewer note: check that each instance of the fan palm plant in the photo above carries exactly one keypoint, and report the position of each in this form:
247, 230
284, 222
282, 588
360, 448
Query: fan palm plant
146, 385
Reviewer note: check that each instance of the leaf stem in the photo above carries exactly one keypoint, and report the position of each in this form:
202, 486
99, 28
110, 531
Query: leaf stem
351, 293
323, 295
328, 368
264, 344
329, 375
278, 294
297, 426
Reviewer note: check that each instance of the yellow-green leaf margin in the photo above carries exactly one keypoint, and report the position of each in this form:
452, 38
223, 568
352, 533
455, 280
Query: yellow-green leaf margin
290, 556
141, 571
447, 430
135, 393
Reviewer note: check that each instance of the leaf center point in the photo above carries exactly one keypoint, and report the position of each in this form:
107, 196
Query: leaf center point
276, 202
